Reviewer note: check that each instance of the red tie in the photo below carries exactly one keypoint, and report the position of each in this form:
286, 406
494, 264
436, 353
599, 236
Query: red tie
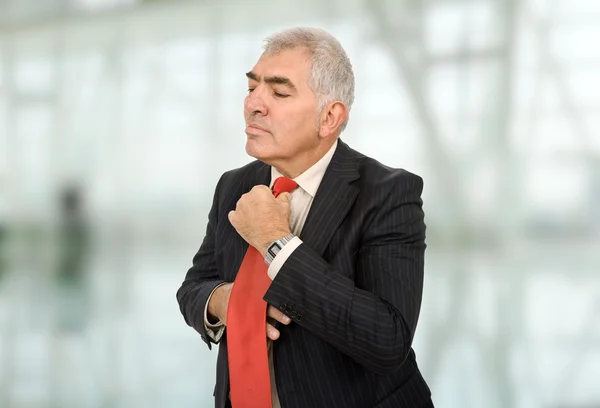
246, 327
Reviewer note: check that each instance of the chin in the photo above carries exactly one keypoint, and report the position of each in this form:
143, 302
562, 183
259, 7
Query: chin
255, 149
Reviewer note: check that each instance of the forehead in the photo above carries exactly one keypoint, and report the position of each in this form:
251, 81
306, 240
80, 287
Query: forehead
292, 63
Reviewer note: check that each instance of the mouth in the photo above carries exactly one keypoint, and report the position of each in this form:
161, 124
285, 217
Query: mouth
252, 128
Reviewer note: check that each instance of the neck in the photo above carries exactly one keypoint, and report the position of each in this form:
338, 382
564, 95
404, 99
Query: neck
302, 162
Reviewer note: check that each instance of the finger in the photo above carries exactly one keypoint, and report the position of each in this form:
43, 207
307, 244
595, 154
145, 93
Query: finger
277, 315
230, 215
272, 332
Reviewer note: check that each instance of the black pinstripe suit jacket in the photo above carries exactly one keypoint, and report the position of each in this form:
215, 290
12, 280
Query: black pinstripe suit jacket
352, 289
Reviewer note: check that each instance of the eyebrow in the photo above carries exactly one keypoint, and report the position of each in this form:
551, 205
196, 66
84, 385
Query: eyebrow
272, 80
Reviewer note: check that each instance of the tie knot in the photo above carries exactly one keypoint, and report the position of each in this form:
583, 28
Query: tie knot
284, 185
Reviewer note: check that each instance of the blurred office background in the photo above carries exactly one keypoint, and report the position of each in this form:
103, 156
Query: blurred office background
118, 116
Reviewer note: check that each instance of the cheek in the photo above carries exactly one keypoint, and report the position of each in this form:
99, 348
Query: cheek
307, 126
295, 128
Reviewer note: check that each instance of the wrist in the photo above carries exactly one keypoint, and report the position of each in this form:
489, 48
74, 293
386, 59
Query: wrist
272, 238
215, 304
213, 313
276, 246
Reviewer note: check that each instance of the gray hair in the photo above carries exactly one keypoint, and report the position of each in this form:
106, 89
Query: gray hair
331, 77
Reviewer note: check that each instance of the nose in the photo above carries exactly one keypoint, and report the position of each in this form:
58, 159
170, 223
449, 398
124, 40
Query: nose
254, 103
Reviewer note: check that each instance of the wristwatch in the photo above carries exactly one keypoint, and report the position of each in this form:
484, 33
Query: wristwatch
275, 247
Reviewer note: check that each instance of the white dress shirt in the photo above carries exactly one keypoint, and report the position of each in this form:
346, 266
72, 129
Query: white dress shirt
301, 200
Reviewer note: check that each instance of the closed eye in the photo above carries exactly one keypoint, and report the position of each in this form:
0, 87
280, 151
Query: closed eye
280, 95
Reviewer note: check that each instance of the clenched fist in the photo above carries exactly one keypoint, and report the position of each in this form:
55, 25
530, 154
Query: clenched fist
260, 218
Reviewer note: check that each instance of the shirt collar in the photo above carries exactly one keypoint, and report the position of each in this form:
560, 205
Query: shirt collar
310, 180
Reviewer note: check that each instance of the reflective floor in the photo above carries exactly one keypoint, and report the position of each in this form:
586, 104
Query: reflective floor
518, 327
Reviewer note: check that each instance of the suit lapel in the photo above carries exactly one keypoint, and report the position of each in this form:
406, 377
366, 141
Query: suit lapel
333, 200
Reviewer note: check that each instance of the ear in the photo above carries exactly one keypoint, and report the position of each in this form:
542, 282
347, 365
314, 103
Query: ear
331, 119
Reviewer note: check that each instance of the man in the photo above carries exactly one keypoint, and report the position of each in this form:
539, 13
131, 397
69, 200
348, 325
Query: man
344, 249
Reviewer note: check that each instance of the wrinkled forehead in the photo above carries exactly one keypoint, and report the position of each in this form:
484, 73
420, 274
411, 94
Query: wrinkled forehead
290, 63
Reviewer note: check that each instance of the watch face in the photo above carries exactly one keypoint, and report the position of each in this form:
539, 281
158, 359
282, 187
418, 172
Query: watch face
272, 251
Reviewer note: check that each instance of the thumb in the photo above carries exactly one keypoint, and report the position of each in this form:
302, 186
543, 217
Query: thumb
284, 197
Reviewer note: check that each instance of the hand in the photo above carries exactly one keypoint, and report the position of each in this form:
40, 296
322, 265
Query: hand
219, 302
274, 314
260, 218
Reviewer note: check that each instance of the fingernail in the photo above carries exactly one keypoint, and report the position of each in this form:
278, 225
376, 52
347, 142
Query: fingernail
286, 319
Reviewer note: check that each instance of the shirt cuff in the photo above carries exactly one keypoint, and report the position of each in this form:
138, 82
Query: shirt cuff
282, 256
214, 331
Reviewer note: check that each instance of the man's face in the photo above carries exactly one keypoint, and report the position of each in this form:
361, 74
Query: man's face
280, 109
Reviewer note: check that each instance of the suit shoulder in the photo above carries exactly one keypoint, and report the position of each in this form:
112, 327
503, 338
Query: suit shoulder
375, 174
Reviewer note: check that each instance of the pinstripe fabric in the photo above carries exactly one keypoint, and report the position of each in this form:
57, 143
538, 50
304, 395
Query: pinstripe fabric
352, 289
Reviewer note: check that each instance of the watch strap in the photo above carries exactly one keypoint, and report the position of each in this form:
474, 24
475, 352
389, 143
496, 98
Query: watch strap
275, 247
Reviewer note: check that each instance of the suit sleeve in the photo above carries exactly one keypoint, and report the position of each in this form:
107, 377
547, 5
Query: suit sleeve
371, 318
202, 278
